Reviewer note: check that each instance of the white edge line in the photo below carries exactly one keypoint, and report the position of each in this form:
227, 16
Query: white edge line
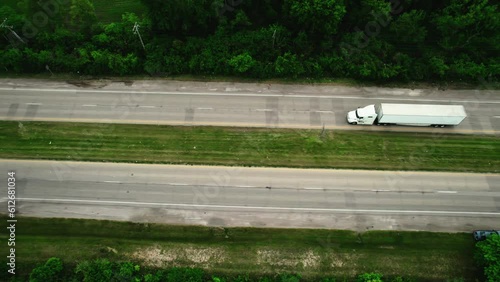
259, 208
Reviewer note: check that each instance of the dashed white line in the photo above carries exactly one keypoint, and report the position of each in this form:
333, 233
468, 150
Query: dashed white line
261, 208
249, 95
381, 190
112, 181
178, 184
325, 112
35, 104
147, 106
204, 108
264, 110
496, 116
447, 192
312, 188
89, 105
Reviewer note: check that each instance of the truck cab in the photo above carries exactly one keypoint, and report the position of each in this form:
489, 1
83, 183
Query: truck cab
366, 115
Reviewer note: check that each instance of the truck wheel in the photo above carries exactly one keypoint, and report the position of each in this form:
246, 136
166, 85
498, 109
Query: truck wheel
354, 123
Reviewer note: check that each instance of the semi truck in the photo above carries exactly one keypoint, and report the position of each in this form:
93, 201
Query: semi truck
408, 114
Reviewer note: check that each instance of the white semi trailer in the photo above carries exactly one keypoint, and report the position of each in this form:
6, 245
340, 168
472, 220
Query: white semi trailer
408, 114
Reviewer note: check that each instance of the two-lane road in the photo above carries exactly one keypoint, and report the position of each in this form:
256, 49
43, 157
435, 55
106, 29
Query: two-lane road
231, 196
284, 108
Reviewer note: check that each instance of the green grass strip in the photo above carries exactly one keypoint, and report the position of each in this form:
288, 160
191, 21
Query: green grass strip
249, 147
313, 253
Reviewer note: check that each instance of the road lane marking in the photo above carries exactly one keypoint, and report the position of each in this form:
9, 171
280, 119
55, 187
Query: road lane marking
447, 192
325, 112
496, 116
248, 95
147, 106
179, 184
112, 181
381, 190
205, 109
312, 188
264, 110
89, 105
260, 208
35, 104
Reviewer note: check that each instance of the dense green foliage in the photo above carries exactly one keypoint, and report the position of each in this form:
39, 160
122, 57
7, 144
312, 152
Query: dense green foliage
378, 40
100, 270
488, 256
50, 271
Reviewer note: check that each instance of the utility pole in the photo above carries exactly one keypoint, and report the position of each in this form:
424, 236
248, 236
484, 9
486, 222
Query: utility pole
9, 27
136, 31
274, 37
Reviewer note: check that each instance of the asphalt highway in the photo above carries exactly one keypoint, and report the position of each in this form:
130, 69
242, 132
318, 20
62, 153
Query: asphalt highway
271, 197
223, 104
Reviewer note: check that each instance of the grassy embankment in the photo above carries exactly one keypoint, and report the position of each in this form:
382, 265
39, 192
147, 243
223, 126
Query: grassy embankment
312, 253
248, 147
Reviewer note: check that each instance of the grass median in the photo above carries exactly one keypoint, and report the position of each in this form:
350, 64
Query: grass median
249, 147
313, 253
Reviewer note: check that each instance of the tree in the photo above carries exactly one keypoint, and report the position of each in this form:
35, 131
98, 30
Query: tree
95, 271
369, 277
11, 60
317, 16
288, 65
184, 17
438, 66
82, 15
469, 25
128, 272
242, 63
179, 274
50, 271
463, 67
409, 28
488, 256
117, 37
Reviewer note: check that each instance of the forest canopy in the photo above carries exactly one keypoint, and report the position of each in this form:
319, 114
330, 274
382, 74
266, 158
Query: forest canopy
367, 40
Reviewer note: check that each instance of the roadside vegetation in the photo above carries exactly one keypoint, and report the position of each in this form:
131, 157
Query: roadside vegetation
226, 253
488, 257
249, 147
366, 40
